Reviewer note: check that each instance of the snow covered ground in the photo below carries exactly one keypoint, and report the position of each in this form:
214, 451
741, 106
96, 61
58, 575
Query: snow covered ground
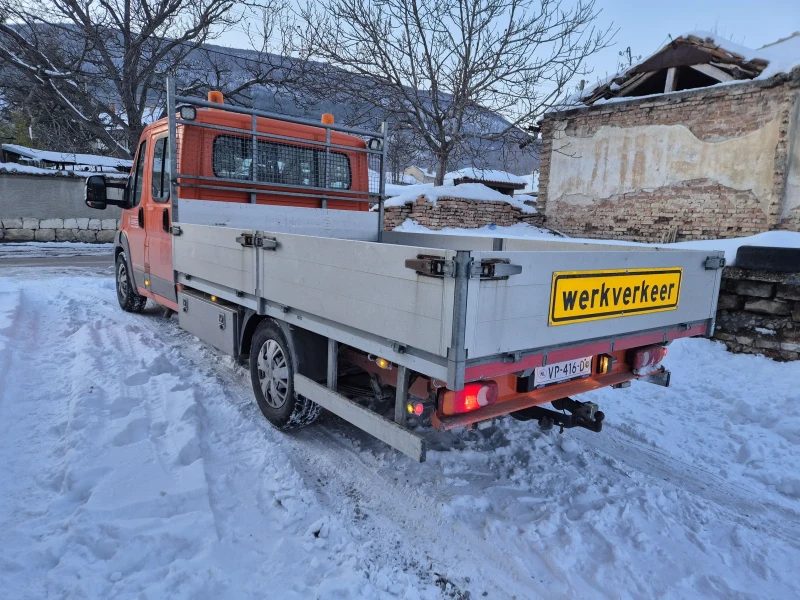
134, 463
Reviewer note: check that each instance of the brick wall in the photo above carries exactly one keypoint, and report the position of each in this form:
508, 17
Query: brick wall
698, 208
759, 313
458, 212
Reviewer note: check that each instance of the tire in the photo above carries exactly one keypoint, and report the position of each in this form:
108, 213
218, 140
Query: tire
272, 369
129, 300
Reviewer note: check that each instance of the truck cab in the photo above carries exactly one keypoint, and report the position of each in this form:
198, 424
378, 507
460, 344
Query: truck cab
295, 164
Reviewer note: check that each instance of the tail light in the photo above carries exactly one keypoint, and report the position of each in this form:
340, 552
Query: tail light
647, 356
472, 397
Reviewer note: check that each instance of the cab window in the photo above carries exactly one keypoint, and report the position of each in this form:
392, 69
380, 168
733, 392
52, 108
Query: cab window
280, 163
139, 174
160, 173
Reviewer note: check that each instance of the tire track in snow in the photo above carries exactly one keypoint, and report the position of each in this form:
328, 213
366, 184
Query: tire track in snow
747, 508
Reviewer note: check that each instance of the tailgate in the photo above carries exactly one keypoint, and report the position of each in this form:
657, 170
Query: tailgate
564, 298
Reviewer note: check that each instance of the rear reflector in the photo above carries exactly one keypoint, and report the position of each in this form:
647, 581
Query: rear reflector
472, 397
646, 356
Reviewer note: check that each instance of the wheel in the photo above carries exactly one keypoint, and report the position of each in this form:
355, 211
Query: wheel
272, 369
128, 299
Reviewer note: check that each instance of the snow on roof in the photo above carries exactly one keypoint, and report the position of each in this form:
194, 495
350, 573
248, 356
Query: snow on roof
465, 191
781, 56
424, 171
492, 175
92, 160
31, 170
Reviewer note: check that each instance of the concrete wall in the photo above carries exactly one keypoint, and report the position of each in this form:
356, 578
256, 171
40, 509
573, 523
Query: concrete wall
711, 163
51, 208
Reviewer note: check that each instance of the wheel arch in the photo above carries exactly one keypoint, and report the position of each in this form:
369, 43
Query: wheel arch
309, 350
121, 245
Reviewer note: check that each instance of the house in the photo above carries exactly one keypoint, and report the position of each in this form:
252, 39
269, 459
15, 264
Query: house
501, 181
420, 174
700, 140
64, 161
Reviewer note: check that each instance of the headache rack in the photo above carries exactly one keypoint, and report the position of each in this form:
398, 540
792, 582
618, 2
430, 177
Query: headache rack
248, 159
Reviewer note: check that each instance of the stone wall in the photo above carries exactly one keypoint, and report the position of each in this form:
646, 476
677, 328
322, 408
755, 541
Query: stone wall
458, 212
50, 208
29, 229
711, 163
759, 313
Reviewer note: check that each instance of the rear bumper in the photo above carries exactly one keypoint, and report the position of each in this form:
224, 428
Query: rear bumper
542, 357
535, 398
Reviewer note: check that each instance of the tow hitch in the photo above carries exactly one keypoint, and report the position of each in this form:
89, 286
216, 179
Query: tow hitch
581, 414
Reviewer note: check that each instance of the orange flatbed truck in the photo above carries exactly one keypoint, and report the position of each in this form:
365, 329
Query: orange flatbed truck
256, 229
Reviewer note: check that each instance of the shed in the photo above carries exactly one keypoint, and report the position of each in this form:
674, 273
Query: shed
501, 181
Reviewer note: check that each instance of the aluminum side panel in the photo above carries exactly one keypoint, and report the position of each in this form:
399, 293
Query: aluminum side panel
212, 253
344, 224
512, 314
360, 284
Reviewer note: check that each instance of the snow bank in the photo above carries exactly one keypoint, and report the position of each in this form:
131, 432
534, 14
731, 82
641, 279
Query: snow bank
465, 191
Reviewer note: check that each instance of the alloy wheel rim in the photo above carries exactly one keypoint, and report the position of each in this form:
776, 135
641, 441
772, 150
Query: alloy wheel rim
273, 374
122, 280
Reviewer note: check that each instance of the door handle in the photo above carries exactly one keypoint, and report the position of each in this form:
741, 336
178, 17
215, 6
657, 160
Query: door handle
141, 218
165, 220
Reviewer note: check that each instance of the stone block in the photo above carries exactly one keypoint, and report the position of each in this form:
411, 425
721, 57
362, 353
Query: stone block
769, 307
108, 223
51, 223
730, 302
759, 289
725, 337
744, 340
30, 223
12, 223
70, 223
105, 236
788, 292
83, 223
18, 235
796, 315
790, 346
45, 235
768, 344
67, 235
95, 224
86, 235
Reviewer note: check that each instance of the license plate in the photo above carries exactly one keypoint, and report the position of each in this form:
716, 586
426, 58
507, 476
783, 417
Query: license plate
563, 371
580, 296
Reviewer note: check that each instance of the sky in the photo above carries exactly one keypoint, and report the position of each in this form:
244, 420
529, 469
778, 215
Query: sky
645, 25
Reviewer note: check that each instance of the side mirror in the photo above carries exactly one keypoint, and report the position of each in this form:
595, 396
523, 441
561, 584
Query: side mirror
96, 192
100, 193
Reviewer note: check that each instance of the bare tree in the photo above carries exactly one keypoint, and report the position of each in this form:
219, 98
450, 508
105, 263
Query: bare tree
442, 67
81, 57
402, 151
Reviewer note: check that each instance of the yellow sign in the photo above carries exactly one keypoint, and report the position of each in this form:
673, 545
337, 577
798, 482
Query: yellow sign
578, 296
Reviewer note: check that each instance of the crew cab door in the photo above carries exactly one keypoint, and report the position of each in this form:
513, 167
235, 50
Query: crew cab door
158, 220
133, 219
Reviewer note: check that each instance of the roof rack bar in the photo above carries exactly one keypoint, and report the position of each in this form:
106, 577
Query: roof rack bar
276, 116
